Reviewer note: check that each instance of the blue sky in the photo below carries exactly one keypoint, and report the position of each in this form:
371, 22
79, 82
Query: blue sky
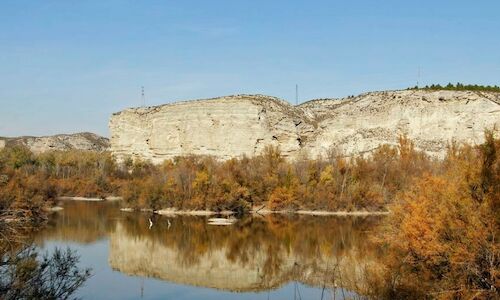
66, 65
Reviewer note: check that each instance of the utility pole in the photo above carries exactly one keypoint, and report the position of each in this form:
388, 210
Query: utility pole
418, 76
296, 94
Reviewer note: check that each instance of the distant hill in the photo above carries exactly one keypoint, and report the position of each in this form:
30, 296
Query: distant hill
62, 142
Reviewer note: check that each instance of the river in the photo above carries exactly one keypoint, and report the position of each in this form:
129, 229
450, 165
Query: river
183, 257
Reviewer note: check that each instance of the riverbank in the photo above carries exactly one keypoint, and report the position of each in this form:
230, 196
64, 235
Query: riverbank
262, 210
259, 211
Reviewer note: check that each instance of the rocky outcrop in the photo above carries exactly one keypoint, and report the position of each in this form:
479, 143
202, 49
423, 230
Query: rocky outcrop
239, 125
61, 142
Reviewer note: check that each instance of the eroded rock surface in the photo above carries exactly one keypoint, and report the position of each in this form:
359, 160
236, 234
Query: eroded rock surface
61, 142
239, 125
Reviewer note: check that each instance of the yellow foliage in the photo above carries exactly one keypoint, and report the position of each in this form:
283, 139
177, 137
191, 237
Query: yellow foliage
326, 175
281, 198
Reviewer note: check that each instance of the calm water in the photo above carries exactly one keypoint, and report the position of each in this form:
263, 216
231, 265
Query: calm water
271, 257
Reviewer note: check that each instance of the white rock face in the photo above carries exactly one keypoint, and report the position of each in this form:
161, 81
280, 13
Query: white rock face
223, 127
432, 119
233, 126
61, 142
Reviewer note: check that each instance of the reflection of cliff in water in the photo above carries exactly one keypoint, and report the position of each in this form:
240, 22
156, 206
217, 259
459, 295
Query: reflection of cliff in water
258, 253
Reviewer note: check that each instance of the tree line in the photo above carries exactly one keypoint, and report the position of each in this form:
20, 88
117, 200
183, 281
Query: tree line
459, 87
335, 183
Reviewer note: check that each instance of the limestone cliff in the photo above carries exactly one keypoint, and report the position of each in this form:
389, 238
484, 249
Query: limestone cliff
61, 142
223, 127
244, 124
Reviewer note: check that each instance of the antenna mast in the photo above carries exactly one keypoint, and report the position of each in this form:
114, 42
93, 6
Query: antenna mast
296, 94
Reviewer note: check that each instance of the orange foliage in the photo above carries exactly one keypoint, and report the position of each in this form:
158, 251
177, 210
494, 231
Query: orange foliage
442, 235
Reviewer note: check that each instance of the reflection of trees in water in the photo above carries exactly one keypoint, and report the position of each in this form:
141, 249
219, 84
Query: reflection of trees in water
312, 242
192, 237
81, 221
279, 247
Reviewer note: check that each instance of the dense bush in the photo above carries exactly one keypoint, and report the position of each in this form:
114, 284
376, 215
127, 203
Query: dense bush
442, 237
24, 274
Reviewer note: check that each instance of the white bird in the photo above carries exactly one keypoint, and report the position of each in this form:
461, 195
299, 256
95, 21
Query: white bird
150, 223
168, 222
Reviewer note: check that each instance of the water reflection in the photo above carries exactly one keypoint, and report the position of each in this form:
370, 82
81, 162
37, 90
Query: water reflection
258, 253
82, 222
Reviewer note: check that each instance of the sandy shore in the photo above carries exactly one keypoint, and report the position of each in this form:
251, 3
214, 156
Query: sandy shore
54, 208
320, 212
171, 211
80, 199
341, 213
127, 209
110, 198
